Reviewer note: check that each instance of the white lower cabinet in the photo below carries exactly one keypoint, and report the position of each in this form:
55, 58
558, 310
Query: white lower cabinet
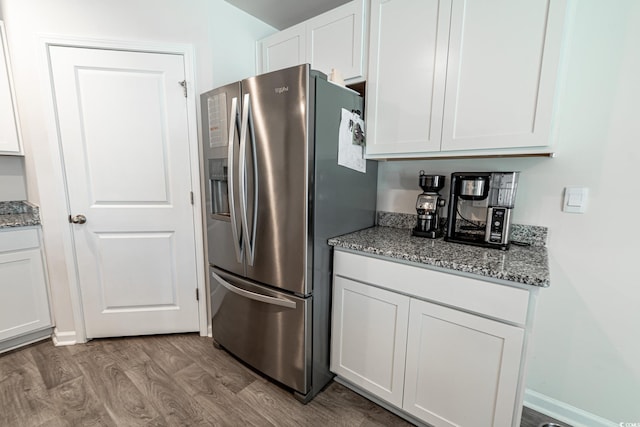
461, 369
404, 336
24, 302
370, 338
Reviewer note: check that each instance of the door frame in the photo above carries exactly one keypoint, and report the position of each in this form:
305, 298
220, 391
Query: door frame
60, 200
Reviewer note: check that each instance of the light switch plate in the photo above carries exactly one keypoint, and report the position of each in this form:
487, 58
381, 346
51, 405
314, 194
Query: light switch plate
575, 199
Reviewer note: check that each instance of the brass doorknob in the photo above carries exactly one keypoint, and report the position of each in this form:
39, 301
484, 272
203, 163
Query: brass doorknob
77, 219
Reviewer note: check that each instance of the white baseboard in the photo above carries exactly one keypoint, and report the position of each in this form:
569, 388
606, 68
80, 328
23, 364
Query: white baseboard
564, 412
64, 338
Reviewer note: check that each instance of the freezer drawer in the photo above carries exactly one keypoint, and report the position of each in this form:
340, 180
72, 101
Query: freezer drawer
267, 329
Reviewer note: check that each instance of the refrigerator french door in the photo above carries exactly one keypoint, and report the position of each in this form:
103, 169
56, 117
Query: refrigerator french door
278, 113
275, 194
221, 131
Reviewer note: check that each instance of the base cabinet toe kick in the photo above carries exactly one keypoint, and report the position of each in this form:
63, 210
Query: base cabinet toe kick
435, 348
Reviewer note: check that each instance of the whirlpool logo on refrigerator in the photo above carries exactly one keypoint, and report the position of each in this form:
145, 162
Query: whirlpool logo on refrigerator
281, 90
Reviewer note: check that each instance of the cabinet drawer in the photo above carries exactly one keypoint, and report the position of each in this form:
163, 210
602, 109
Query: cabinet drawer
493, 300
19, 239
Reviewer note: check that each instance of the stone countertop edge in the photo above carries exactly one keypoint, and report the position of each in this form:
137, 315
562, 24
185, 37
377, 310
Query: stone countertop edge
20, 213
522, 265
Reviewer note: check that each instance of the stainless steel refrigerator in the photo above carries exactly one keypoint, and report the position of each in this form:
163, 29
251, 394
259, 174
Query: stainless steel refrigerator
275, 194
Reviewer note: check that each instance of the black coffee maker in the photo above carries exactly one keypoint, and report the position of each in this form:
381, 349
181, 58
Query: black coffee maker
427, 206
480, 207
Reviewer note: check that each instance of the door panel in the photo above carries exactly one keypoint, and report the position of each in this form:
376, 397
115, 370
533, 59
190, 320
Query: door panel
9, 136
24, 306
134, 146
335, 40
461, 369
154, 283
264, 328
284, 49
405, 90
369, 338
501, 74
279, 106
122, 121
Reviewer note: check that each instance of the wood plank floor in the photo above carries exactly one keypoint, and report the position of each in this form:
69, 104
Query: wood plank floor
170, 380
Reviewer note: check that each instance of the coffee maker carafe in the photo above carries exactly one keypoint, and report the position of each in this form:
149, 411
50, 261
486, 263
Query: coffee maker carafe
427, 206
480, 208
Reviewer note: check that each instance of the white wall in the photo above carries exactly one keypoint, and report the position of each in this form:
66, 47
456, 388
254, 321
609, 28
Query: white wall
205, 24
586, 349
12, 178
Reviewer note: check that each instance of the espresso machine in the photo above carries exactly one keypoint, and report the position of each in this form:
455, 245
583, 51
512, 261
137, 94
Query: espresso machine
480, 208
427, 206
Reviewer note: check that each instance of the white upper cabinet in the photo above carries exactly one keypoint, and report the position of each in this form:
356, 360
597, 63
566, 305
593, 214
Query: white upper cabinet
9, 130
283, 49
336, 40
405, 90
503, 62
333, 40
475, 77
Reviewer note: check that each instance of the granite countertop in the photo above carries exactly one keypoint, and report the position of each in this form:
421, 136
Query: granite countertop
18, 214
526, 265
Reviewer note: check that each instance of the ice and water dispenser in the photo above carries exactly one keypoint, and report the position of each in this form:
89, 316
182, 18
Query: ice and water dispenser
218, 188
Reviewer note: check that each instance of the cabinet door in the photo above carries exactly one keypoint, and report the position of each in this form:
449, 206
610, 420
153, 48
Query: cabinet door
9, 131
24, 305
335, 41
407, 66
462, 370
283, 49
368, 340
501, 76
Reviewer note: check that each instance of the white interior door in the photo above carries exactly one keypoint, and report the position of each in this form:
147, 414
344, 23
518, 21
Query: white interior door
122, 119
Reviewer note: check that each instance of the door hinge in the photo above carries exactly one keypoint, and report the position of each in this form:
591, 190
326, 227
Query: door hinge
197, 294
191, 196
184, 87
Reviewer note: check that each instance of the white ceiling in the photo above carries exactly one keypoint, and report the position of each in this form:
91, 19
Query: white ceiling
285, 13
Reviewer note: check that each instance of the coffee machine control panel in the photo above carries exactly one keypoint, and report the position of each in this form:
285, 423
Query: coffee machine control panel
497, 229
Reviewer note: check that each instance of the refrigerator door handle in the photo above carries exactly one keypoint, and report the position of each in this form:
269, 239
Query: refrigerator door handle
234, 123
247, 128
252, 295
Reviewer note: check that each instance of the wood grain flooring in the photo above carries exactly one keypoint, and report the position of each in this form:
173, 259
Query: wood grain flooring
169, 380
